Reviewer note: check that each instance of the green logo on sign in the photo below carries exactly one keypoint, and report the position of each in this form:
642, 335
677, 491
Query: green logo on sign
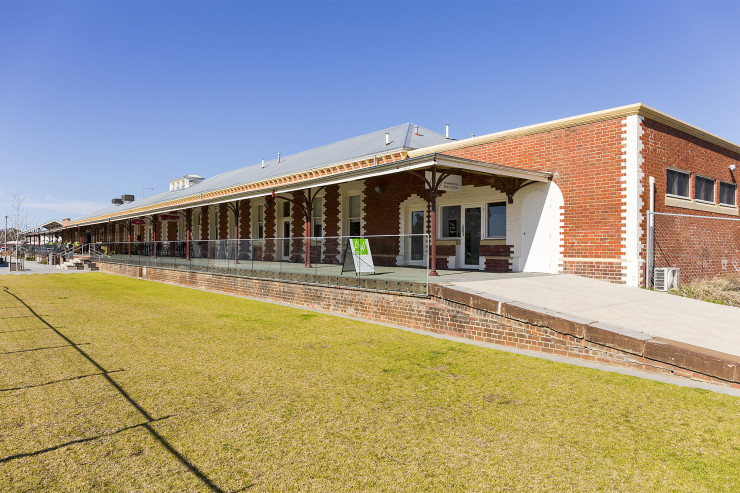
360, 246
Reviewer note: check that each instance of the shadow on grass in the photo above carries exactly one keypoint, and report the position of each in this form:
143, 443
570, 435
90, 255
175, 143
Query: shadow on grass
44, 348
52, 382
106, 374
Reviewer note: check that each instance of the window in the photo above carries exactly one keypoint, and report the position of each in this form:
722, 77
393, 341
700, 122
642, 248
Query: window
354, 216
497, 220
417, 240
260, 221
317, 218
286, 209
704, 189
727, 193
678, 183
450, 221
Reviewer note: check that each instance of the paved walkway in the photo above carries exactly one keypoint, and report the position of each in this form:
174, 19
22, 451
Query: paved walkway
37, 268
657, 314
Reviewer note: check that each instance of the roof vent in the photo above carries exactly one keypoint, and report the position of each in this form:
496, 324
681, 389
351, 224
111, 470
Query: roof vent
447, 130
127, 198
416, 129
117, 201
185, 182
387, 138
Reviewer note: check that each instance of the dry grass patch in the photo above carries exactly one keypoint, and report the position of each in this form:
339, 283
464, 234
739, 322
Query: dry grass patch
724, 290
226, 394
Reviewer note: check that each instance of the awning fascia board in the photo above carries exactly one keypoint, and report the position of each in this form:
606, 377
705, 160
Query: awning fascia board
411, 164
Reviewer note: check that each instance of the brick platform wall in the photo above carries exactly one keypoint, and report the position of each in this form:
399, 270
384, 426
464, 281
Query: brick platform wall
461, 314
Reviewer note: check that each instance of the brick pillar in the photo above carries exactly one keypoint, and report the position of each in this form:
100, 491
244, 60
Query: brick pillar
204, 222
245, 229
298, 228
269, 251
245, 219
223, 222
331, 224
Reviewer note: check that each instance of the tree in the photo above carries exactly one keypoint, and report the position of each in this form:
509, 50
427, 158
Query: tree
19, 219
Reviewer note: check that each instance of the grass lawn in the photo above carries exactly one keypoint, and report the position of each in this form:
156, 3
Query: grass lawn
170, 389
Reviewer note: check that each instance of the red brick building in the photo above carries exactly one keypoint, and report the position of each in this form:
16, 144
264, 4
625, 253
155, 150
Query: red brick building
570, 195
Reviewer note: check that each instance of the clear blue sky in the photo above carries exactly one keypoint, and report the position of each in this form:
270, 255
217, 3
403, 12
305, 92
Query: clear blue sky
102, 98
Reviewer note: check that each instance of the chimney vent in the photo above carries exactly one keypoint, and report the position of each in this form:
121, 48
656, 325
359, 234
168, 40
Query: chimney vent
387, 138
447, 130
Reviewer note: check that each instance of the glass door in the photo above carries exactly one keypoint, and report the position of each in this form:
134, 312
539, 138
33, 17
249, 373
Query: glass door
417, 242
286, 240
472, 232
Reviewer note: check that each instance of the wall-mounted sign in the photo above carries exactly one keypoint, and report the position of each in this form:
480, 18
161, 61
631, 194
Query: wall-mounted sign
358, 256
169, 217
138, 222
452, 183
452, 228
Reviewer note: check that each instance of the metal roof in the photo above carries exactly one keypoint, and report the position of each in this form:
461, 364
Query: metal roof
49, 225
402, 138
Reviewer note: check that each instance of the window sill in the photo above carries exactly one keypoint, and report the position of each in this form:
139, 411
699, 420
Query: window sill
694, 205
678, 197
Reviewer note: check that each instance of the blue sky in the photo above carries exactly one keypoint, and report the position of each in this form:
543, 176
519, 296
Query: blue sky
102, 98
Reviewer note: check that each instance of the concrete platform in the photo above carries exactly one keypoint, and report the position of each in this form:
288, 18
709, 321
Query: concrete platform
653, 314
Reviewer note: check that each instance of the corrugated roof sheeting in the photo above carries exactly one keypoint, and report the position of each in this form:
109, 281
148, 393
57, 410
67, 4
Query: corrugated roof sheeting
402, 137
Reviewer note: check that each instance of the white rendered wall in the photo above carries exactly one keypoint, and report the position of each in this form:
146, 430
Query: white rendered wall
534, 228
632, 187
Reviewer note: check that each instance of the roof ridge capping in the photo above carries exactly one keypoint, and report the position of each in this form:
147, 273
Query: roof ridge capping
639, 109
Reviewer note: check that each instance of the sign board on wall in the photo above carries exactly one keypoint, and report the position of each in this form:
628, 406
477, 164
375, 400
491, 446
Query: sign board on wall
169, 217
138, 222
452, 183
358, 254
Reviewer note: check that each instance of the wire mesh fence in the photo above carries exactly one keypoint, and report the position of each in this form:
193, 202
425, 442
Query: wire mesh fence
386, 263
701, 247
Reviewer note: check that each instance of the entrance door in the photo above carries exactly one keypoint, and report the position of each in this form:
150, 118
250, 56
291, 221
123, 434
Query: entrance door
286, 241
417, 242
472, 232
535, 238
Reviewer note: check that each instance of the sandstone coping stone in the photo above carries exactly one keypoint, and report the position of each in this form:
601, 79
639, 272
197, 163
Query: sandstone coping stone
694, 358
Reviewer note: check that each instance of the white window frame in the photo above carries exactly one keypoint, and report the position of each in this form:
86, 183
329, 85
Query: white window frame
259, 211
688, 192
696, 189
488, 235
320, 217
734, 196
351, 218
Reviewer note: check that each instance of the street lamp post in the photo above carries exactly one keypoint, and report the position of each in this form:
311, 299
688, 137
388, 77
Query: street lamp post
5, 247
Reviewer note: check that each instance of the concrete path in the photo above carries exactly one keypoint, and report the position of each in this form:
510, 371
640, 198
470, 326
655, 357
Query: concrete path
37, 268
657, 314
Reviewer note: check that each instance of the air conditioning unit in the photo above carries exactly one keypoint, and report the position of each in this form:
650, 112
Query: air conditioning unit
666, 278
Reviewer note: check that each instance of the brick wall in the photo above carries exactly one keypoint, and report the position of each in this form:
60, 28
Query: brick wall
587, 165
245, 219
331, 224
453, 312
204, 222
268, 249
701, 248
